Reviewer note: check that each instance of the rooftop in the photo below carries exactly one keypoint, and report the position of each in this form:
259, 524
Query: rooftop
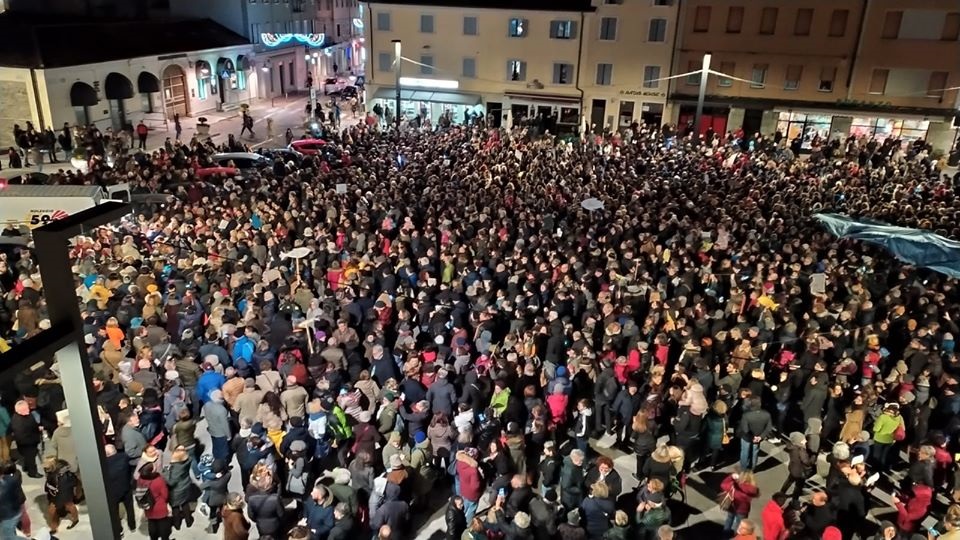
50, 42
512, 5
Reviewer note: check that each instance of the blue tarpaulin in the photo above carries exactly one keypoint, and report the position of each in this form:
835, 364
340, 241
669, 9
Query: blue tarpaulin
912, 246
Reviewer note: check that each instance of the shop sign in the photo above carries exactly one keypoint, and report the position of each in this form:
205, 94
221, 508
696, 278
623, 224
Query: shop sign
643, 93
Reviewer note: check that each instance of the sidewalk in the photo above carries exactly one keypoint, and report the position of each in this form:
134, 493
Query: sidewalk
286, 113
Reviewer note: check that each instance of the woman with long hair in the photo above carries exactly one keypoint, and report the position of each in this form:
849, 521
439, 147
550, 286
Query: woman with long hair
441, 435
270, 409
738, 490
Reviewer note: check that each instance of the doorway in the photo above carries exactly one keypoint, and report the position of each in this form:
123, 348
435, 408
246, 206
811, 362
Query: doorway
495, 113
175, 91
519, 113
283, 80
598, 108
752, 118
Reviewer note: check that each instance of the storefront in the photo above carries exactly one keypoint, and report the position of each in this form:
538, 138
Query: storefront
560, 111
809, 125
431, 105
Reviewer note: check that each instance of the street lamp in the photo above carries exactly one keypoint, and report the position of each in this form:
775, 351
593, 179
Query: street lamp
396, 67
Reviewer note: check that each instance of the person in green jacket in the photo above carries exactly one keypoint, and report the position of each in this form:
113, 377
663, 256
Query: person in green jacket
651, 514
620, 529
884, 428
501, 394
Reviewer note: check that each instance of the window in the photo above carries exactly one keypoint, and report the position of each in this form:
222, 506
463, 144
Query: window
469, 26
385, 62
951, 27
792, 80
518, 27
878, 81
663, 2
734, 19
891, 25
827, 76
693, 66
427, 64
768, 21
469, 68
701, 19
608, 28
292, 74
650, 76
727, 68
838, 22
758, 75
255, 33
801, 26
426, 24
938, 80
383, 22
297, 6
562, 29
338, 29
516, 70
562, 73
604, 74
658, 31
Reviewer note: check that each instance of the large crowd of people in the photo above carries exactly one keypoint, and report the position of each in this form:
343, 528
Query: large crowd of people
459, 322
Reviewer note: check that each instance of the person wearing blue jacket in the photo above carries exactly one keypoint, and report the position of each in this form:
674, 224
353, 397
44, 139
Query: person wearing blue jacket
318, 512
244, 346
208, 381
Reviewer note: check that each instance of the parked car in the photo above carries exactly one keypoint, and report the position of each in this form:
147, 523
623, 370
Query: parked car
240, 160
334, 85
285, 154
207, 172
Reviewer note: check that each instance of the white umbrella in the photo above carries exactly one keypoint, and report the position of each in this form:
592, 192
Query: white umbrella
591, 204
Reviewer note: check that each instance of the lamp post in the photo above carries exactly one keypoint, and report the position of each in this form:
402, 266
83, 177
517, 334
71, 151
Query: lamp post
396, 69
703, 90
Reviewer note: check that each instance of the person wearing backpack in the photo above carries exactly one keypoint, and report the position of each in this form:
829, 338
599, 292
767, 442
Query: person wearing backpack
152, 496
59, 489
177, 477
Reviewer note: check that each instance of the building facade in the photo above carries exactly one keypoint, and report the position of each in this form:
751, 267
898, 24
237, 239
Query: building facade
821, 68
510, 60
341, 21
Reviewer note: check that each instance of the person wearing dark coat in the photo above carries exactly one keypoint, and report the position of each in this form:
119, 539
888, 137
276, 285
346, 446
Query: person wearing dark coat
801, 461
571, 480
59, 487
442, 395
26, 433
604, 393
393, 512
119, 485
814, 397
265, 508
215, 493
516, 529
543, 516
177, 477
818, 515
625, 406
597, 510
455, 519
343, 523
605, 472
849, 504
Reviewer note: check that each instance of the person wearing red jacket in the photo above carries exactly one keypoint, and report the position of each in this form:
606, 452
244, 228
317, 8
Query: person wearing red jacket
774, 527
742, 488
469, 481
159, 525
914, 509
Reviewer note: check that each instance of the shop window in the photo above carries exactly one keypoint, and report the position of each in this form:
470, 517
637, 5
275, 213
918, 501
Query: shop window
383, 22
734, 19
951, 27
891, 25
608, 28
426, 64
516, 70
569, 115
518, 28
758, 75
937, 84
801, 26
727, 68
562, 29
426, 24
878, 81
385, 61
792, 80
838, 22
469, 26
604, 74
658, 31
651, 74
562, 73
827, 75
626, 113
701, 19
768, 21
470, 68
694, 76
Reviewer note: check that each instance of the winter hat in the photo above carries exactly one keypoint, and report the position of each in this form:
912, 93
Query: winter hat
394, 437
656, 497
340, 476
216, 396
573, 518
298, 446
796, 438
419, 437
63, 418
550, 496
522, 520
832, 533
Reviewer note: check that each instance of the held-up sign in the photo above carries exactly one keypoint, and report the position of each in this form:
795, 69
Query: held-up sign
341, 189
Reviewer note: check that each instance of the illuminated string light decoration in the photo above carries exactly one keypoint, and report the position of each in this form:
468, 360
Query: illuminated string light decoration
271, 39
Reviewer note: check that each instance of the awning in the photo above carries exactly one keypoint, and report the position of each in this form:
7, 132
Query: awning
83, 95
118, 87
548, 98
147, 83
449, 98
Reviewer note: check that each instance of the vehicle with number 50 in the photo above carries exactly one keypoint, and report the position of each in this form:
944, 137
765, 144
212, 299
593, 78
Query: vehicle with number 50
29, 206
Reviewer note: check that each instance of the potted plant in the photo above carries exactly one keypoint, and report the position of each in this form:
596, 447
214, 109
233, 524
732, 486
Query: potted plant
203, 128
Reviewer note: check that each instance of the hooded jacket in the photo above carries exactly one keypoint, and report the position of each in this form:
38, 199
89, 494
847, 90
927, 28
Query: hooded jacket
774, 527
571, 483
914, 509
743, 495
471, 483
